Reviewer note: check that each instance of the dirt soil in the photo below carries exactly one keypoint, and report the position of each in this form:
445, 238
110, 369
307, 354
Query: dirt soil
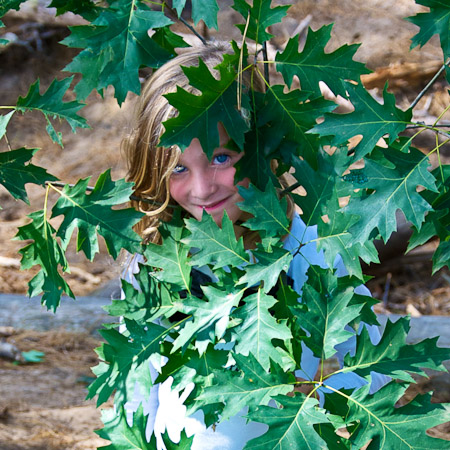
43, 404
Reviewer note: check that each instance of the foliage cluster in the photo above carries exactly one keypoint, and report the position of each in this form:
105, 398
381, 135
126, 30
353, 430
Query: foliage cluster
240, 339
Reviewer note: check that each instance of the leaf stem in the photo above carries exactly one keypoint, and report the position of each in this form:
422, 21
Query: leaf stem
7, 141
241, 63
428, 86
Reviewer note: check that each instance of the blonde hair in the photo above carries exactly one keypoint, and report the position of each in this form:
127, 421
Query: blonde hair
150, 165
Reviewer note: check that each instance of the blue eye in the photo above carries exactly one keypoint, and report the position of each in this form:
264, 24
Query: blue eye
179, 169
221, 159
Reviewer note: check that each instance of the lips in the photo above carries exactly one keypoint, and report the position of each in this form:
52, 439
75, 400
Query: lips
214, 206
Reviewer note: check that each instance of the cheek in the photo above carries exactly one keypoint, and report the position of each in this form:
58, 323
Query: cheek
176, 190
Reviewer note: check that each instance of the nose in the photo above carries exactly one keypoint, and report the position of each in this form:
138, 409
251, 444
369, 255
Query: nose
203, 184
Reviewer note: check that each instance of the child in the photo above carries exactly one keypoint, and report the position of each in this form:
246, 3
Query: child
196, 184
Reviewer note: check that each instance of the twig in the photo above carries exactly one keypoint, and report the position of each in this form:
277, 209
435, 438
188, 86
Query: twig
132, 197
266, 66
185, 23
427, 87
430, 127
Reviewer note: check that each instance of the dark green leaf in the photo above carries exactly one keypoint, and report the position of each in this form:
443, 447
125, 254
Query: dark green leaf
214, 245
313, 64
199, 115
168, 40
369, 119
266, 268
16, 172
116, 45
122, 435
184, 443
391, 356
45, 252
320, 206
291, 425
389, 427
205, 10
52, 106
252, 387
206, 315
262, 16
258, 329
126, 359
152, 300
436, 21
92, 214
85, 8
393, 176
329, 311
269, 212
291, 115
171, 257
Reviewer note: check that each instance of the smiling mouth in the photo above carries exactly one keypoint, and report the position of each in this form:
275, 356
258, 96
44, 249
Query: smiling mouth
214, 206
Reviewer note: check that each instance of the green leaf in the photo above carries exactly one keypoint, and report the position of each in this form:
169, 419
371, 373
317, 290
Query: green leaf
291, 115
45, 252
126, 359
313, 64
171, 257
441, 256
205, 10
92, 214
85, 8
437, 221
191, 367
252, 387
391, 427
269, 212
147, 304
51, 104
267, 268
258, 329
436, 21
116, 45
393, 176
4, 120
369, 119
328, 313
206, 315
262, 16
291, 425
184, 443
168, 40
16, 172
199, 115
213, 244
392, 356
324, 187
121, 434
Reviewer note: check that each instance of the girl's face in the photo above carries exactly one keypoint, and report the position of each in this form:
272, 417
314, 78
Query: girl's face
198, 184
